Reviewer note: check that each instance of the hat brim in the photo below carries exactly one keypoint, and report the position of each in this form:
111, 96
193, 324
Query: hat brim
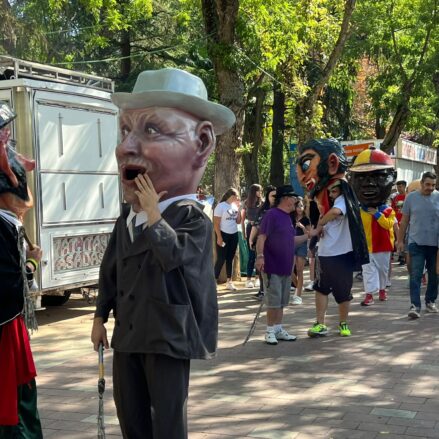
222, 118
370, 167
290, 194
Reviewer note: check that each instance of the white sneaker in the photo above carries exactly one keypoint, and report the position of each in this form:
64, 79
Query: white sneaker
257, 283
310, 286
249, 284
292, 289
296, 300
431, 307
231, 287
414, 312
284, 336
270, 338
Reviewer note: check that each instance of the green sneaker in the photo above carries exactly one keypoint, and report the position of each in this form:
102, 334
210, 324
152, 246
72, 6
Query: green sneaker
344, 329
318, 330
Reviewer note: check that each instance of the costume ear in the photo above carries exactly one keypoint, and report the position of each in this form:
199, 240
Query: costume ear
206, 142
333, 164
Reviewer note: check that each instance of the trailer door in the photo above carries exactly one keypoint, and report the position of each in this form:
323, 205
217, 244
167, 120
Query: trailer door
79, 185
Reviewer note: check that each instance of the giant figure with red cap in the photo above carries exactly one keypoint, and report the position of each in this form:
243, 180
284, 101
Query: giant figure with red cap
372, 177
157, 272
18, 396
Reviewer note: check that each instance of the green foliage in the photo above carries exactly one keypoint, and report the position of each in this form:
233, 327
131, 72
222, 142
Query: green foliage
392, 34
287, 42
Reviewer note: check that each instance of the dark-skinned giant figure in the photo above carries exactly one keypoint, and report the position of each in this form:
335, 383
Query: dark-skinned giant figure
372, 177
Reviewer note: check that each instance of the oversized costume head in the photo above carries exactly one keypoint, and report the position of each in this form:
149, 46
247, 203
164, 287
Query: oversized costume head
168, 129
321, 166
372, 177
14, 193
321, 162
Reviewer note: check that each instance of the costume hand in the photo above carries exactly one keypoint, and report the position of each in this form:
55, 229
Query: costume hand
36, 253
148, 197
99, 334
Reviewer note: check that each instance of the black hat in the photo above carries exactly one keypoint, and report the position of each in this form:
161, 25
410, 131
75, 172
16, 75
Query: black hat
285, 191
6, 114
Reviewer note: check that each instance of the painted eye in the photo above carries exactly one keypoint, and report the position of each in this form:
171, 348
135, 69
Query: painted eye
124, 131
305, 165
149, 129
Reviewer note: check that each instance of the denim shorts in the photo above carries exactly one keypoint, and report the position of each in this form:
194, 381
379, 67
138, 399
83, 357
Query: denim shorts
301, 250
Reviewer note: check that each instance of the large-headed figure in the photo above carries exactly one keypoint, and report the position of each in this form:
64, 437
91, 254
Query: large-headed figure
18, 396
157, 273
320, 162
342, 247
372, 176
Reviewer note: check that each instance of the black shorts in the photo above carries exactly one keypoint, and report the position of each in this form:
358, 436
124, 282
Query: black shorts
336, 277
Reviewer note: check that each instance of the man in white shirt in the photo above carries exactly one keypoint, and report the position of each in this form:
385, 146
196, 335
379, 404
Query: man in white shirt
157, 272
335, 256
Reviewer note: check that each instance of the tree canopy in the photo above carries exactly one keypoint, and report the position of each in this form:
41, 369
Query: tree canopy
290, 70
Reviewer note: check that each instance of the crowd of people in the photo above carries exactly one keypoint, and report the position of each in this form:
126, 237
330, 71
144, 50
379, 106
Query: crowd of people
157, 276
279, 249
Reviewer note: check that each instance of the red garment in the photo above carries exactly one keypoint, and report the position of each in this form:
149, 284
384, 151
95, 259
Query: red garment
16, 368
397, 203
322, 198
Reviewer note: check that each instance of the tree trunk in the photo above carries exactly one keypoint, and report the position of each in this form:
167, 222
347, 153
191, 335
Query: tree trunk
380, 129
253, 134
399, 119
220, 19
277, 143
125, 51
396, 127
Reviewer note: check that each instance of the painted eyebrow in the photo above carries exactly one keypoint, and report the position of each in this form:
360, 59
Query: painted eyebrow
305, 157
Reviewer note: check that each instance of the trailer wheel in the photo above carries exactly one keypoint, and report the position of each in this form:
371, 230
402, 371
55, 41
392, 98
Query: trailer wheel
55, 300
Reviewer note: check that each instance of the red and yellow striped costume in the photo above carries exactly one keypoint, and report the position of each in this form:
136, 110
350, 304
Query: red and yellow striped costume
379, 229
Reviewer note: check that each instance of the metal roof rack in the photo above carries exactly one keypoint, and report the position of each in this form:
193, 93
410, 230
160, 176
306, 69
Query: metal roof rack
14, 68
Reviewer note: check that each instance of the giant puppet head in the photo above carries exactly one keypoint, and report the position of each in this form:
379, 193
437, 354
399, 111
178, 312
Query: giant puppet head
14, 193
168, 129
372, 176
320, 163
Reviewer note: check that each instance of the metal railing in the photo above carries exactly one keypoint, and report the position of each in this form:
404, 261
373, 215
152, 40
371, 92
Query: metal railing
14, 68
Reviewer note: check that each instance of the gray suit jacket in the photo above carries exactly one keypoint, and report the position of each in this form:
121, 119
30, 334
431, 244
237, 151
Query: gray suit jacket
161, 287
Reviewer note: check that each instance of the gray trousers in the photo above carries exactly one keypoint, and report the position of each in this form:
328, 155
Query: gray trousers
150, 392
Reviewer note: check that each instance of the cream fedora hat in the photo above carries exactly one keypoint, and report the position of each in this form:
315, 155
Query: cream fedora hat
175, 88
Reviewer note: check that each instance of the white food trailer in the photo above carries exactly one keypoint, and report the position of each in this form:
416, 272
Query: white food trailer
67, 123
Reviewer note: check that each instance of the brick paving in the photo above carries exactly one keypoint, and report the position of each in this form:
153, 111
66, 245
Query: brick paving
379, 383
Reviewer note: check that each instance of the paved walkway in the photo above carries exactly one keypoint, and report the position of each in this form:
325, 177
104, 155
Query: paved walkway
380, 383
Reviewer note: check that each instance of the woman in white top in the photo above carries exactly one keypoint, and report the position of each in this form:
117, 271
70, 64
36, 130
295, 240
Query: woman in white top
226, 218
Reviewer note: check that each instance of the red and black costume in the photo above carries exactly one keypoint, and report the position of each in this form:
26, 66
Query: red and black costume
18, 413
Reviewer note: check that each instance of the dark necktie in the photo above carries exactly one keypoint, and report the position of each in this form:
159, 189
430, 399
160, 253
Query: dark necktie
137, 230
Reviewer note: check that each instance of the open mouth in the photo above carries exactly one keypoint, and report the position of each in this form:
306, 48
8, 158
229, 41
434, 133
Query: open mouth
310, 184
369, 194
130, 172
